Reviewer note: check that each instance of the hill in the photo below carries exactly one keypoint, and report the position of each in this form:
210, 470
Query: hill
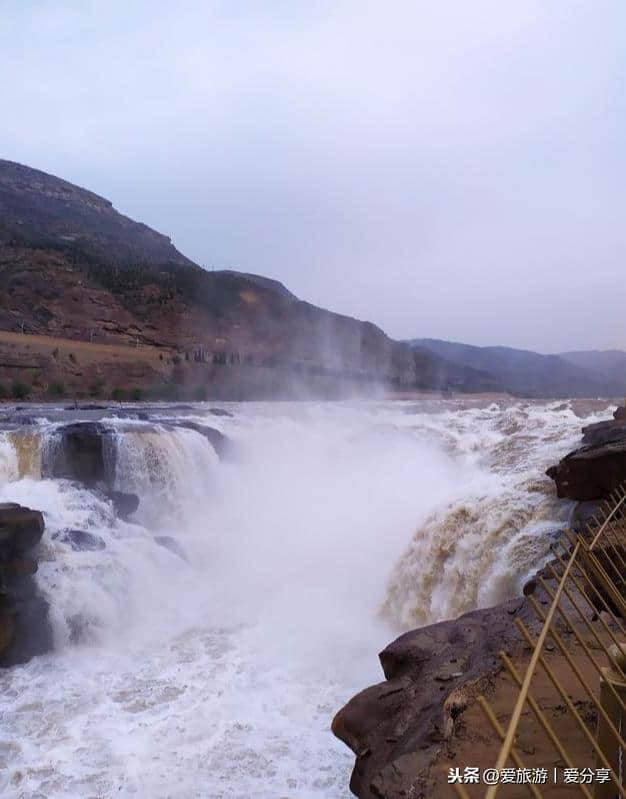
531, 374
73, 269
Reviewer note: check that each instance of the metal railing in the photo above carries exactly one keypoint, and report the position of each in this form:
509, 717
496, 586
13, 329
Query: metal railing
584, 626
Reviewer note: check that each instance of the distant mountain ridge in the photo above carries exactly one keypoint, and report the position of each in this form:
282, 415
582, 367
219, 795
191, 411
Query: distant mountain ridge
531, 374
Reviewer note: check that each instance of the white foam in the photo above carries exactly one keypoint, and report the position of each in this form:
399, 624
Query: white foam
218, 677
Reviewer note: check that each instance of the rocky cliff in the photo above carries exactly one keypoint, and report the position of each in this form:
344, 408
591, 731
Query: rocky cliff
72, 268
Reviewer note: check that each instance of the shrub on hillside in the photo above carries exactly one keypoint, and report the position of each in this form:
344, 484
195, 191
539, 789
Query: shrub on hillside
56, 390
136, 394
119, 394
20, 390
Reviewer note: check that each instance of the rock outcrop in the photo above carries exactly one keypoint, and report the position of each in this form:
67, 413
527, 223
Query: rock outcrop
596, 469
80, 451
125, 504
396, 728
24, 628
82, 541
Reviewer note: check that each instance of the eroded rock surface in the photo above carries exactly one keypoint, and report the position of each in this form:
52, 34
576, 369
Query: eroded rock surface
396, 728
597, 468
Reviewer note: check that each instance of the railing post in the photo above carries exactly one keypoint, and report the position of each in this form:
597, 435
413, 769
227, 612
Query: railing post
606, 739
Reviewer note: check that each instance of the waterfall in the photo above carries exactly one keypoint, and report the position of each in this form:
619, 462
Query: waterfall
223, 658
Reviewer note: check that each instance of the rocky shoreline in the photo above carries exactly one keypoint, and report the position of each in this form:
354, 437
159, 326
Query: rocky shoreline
402, 729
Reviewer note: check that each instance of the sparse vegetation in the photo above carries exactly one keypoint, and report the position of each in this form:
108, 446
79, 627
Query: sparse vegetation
119, 394
136, 394
3, 392
201, 393
19, 390
56, 390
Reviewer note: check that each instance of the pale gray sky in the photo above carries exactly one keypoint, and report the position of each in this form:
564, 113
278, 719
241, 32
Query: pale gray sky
446, 168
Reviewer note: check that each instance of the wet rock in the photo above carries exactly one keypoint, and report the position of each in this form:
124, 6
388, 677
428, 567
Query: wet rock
82, 541
220, 412
20, 530
590, 473
80, 451
584, 513
20, 567
604, 432
87, 407
24, 628
172, 544
125, 504
432, 674
596, 469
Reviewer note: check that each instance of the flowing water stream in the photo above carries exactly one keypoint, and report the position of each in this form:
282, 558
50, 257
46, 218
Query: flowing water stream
213, 668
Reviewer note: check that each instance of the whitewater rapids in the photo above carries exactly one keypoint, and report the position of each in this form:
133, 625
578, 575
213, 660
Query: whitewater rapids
334, 527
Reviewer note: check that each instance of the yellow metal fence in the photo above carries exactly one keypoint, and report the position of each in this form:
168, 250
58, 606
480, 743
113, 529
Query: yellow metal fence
583, 621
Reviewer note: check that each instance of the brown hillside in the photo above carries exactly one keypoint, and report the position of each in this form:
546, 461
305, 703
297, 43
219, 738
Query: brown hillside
73, 267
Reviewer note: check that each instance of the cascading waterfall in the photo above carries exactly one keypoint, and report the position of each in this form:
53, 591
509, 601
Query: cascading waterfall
336, 527
472, 554
28, 450
9, 464
170, 469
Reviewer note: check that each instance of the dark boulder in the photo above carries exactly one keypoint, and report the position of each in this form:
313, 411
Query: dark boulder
24, 627
172, 544
20, 567
595, 470
590, 473
81, 541
604, 432
20, 530
80, 451
397, 727
125, 504
220, 412
28, 632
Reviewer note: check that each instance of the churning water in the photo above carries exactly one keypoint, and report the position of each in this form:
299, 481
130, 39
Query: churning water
214, 670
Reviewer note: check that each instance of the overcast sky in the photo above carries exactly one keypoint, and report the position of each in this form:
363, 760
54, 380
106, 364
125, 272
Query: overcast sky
445, 169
